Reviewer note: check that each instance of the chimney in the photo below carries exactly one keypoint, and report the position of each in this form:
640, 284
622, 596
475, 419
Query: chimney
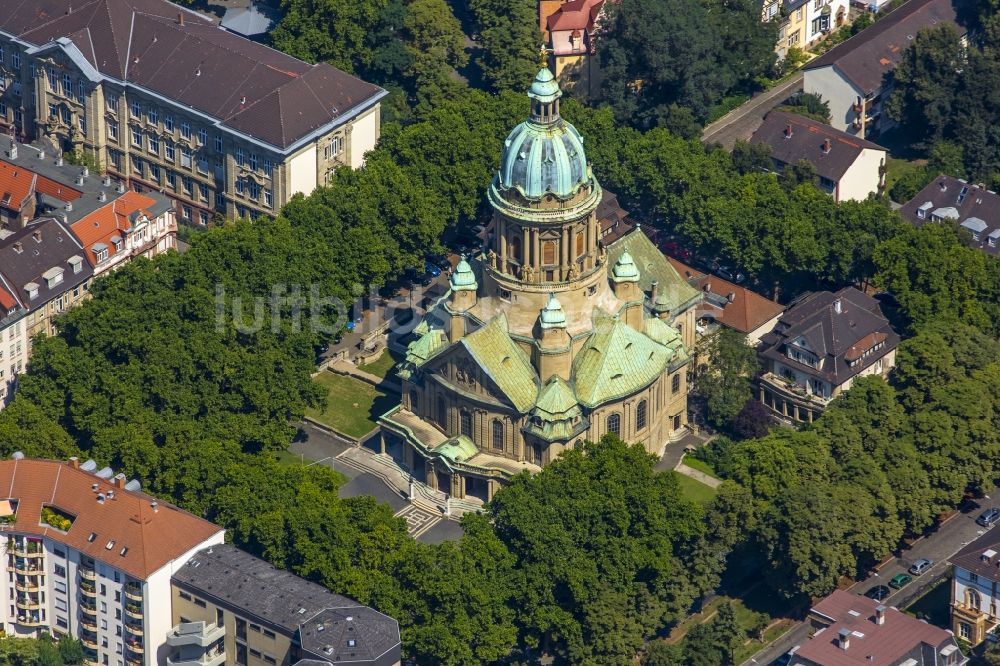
79, 180
85, 172
106, 181
111, 494
41, 154
731, 296
880, 614
121, 188
74, 462
119, 480
838, 307
155, 506
654, 290
844, 639
180, 19
788, 131
826, 146
59, 160
37, 235
69, 206
102, 196
12, 153
943, 185
18, 248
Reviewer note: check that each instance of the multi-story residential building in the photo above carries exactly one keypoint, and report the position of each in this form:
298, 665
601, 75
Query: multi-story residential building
955, 201
975, 589
568, 28
132, 225
848, 168
90, 556
230, 607
167, 101
804, 23
43, 271
852, 76
852, 629
728, 305
822, 342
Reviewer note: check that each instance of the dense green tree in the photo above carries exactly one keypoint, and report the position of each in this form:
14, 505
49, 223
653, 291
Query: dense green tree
751, 157
70, 650
725, 385
603, 543
335, 31
662, 653
925, 81
509, 41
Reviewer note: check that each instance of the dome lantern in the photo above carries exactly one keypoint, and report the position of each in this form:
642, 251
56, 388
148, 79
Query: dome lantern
625, 269
552, 315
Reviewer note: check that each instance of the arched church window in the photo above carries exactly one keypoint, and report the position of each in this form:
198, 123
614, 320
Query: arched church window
466, 418
498, 434
536, 454
640, 415
442, 409
675, 383
580, 244
515, 249
549, 252
615, 424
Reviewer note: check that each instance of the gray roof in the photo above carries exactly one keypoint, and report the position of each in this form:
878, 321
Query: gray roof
182, 56
834, 336
238, 580
973, 206
865, 58
348, 635
807, 142
29, 253
30, 158
247, 21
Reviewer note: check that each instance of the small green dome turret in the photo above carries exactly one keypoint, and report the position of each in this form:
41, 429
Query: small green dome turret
625, 269
552, 314
463, 279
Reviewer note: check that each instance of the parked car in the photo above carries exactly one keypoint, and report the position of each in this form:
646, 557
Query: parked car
676, 251
989, 517
900, 581
921, 566
731, 274
878, 593
432, 269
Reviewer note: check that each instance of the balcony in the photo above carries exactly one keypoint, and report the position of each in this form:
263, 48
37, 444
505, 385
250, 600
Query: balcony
133, 661
134, 629
26, 567
133, 591
89, 642
27, 603
208, 659
134, 611
135, 646
88, 608
30, 620
88, 624
88, 589
198, 634
27, 584
88, 574
25, 548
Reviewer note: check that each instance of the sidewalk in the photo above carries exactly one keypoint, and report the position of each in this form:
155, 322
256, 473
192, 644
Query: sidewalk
709, 481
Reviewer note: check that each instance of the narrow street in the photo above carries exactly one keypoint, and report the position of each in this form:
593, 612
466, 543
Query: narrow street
950, 537
743, 121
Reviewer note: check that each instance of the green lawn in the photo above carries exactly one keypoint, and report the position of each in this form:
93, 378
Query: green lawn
744, 616
352, 405
695, 490
381, 366
287, 459
896, 168
699, 465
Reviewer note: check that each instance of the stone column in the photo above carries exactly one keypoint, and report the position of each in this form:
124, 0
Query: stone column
432, 477
381, 442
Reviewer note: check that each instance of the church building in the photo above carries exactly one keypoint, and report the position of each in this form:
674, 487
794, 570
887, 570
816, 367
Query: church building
549, 336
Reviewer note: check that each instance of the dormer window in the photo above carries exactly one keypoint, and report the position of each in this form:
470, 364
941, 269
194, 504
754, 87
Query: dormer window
53, 276
32, 289
100, 251
76, 263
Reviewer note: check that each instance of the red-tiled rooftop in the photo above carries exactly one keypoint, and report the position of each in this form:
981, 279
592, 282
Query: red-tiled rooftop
109, 221
869, 643
747, 311
130, 533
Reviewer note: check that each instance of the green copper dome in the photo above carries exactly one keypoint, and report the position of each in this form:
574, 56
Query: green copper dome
544, 154
552, 314
625, 269
463, 279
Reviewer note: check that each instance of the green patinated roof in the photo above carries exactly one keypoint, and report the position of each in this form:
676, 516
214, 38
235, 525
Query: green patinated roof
652, 265
624, 269
661, 332
556, 399
428, 344
552, 315
616, 361
457, 449
463, 279
504, 362
557, 414
544, 88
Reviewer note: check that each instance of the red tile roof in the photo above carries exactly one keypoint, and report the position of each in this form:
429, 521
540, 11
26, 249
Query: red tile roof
108, 221
576, 15
7, 300
747, 311
18, 184
869, 643
149, 537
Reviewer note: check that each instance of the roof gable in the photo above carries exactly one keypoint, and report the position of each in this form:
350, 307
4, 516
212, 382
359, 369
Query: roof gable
503, 362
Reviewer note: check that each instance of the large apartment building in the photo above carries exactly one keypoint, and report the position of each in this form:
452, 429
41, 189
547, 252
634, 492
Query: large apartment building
230, 607
167, 101
88, 555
